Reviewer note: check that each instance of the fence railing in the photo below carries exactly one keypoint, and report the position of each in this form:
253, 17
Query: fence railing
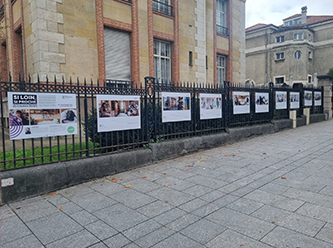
104, 113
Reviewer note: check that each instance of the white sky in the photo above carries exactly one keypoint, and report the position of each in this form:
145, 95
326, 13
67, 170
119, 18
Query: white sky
273, 11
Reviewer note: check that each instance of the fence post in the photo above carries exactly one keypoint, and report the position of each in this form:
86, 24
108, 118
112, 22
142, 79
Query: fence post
227, 104
150, 108
271, 100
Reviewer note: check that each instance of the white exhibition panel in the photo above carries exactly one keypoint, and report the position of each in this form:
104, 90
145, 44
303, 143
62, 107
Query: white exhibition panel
262, 102
118, 112
35, 115
280, 100
307, 98
176, 106
210, 106
317, 98
241, 102
294, 100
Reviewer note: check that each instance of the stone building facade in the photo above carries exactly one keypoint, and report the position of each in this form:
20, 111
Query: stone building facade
127, 40
295, 52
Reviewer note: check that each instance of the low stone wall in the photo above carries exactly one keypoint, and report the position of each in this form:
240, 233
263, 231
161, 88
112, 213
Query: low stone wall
317, 118
32, 181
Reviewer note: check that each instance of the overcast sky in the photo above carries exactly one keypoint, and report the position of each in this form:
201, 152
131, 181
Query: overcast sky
273, 11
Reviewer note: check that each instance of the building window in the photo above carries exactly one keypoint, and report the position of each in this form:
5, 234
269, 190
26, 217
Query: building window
162, 6
298, 36
279, 56
2, 10
279, 39
298, 21
298, 54
310, 55
162, 61
221, 17
279, 80
117, 56
288, 23
309, 79
221, 65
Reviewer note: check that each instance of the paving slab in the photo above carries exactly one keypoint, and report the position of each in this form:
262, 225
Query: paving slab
229, 196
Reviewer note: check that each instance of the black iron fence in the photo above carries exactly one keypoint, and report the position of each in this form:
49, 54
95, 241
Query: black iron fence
165, 111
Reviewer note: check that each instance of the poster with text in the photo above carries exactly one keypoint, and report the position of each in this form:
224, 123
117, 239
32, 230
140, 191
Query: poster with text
262, 102
307, 98
35, 115
176, 107
317, 98
241, 102
210, 106
294, 100
280, 100
116, 113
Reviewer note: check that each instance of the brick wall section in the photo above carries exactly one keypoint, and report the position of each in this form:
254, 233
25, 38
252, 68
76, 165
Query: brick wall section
135, 63
150, 37
100, 39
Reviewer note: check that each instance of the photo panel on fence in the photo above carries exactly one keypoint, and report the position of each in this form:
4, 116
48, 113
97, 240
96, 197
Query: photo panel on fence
280, 100
176, 106
317, 98
117, 112
241, 102
210, 106
307, 98
262, 102
294, 100
35, 115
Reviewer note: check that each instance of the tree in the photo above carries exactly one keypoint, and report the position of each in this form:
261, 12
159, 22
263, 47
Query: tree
330, 72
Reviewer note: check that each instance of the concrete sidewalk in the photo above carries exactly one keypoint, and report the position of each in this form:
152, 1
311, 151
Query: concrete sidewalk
270, 191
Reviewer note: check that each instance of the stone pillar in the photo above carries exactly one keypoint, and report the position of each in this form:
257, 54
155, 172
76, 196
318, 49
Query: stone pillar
326, 82
46, 55
293, 116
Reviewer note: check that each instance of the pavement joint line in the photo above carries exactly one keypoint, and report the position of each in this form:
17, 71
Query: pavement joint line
26, 225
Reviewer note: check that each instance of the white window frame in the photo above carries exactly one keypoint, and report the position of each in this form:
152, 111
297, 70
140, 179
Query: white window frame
298, 21
221, 14
309, 77
162, 62
310, 55
280, 76
298, 36
297, 54
221, 68
279, 39
159, 6
288, 23
279, 56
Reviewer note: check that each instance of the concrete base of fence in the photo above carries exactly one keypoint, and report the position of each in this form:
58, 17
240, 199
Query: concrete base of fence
32, 181
280, 125
301, 121
317, 118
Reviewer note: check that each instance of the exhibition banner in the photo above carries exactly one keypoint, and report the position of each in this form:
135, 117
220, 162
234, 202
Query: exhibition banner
307, 98
294, 100
210, 106
176, 106
317, 98
280, 100
241, 102
118, 112
34, 115
262, 102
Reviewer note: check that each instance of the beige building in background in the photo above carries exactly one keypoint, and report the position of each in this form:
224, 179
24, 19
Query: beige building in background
172, 40
295, 52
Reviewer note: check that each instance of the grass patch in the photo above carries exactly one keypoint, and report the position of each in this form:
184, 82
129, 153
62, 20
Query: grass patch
49, 157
